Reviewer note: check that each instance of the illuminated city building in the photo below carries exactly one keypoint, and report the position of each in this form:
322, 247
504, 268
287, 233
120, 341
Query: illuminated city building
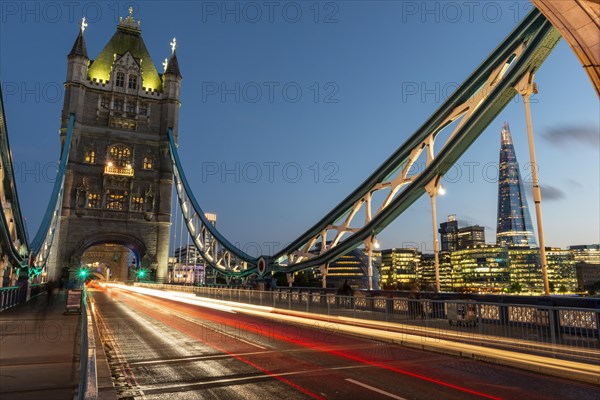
561, 270
426, 271
399, 268
352, 266
514, 222
187, 255
587, 265
470, 236
449, 234
525, 271
480, 269
587, 253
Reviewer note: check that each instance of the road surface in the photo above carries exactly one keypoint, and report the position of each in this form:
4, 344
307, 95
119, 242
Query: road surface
163, 349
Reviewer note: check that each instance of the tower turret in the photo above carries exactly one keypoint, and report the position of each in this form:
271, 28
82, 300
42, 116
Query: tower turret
78, 60
171, 90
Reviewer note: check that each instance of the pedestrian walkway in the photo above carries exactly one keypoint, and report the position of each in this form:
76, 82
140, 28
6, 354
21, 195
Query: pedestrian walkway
39, 350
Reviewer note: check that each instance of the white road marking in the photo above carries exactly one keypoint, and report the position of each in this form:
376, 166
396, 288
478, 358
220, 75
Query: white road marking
249, 378
193, 321
383, 392
199, 358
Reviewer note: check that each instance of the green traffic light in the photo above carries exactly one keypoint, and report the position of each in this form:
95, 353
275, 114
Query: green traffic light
83, 273
141, 273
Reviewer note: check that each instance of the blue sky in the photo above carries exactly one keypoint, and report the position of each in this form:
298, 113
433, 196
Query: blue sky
301, 101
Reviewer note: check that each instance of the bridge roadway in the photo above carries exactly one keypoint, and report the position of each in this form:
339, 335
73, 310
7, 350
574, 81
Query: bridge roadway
159, 347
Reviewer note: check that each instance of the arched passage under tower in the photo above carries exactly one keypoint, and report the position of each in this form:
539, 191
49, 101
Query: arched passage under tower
110, 256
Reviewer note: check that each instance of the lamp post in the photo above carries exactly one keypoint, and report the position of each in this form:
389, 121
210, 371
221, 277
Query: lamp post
435, 188
526, 88
370, 243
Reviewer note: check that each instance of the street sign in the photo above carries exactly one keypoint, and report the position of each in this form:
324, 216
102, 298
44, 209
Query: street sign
74, 299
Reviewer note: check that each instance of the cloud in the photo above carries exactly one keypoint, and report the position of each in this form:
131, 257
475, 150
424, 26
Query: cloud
574, 183
465, 220
573, 135
549, 192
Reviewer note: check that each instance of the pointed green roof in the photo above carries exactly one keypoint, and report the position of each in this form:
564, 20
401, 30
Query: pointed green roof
127, 38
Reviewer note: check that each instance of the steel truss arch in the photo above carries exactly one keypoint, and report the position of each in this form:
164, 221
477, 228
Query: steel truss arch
472, 107
12, 232
42, 242
214, 248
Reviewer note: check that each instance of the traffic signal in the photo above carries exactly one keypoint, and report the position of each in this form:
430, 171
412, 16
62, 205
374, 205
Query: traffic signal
83, 273
141, 273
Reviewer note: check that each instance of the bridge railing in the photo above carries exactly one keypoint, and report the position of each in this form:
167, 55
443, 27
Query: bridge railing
88, 382
9, 297
12, 295
557, 331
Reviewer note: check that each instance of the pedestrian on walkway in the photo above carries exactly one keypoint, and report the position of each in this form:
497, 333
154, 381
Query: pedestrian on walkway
49, 291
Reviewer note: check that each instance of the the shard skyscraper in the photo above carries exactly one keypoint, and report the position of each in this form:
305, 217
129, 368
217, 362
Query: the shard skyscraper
514, 222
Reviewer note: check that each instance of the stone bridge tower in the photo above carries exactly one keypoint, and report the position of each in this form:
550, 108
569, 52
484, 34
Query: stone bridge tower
119, 179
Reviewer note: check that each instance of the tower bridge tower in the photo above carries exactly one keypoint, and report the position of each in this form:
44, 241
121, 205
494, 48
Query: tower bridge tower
119, 178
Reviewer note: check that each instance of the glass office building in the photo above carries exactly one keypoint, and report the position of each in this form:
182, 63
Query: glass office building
399, 268
482, 269
514, 222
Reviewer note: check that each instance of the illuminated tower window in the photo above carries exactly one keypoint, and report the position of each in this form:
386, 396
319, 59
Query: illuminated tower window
120, 155
93, 200
90, 156
116, 201
148, 162
137, 204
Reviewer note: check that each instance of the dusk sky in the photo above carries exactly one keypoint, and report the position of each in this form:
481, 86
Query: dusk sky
350, 80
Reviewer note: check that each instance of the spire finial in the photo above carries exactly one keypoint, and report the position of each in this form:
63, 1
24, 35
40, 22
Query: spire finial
129, 21
173, 45
83, 24
165, 64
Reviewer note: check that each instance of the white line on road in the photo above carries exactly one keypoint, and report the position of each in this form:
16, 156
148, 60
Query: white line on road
197, 385
221, 332
383, 392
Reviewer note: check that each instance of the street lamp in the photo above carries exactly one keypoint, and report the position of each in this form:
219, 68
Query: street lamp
370, 243
527, 88
435, 188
